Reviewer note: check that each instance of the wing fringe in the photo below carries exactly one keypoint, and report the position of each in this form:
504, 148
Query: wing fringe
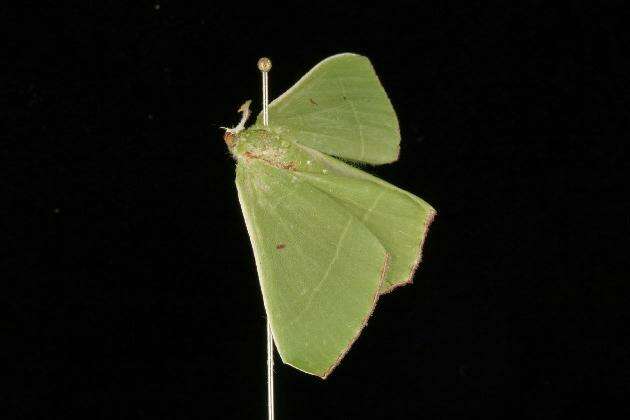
427, 224
383, 273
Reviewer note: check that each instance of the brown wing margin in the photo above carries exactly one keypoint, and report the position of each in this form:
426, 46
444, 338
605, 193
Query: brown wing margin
383, 273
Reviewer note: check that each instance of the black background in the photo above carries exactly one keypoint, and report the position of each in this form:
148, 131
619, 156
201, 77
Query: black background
131, 287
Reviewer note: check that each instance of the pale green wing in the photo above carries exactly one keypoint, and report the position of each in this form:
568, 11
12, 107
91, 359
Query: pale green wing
340, 108
396, 219
319, 267
399, 219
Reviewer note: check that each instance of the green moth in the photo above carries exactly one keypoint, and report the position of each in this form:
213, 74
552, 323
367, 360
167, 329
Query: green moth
328, 238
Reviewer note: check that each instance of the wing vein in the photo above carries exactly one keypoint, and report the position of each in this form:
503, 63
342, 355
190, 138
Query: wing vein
356, 119
373, 206
317, 288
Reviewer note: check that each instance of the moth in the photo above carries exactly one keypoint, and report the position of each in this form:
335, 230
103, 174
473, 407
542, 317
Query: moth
328, 238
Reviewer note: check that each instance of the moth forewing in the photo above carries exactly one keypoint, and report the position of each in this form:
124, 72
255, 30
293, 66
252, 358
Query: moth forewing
320, 268
340, 108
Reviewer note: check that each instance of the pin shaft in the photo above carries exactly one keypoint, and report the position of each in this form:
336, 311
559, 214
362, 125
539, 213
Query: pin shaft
264, 65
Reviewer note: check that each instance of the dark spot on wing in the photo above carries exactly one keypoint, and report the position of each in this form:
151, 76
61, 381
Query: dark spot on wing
344, 98
280, 246
312, 101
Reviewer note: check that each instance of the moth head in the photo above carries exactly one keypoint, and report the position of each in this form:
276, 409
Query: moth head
229, 139
231, 133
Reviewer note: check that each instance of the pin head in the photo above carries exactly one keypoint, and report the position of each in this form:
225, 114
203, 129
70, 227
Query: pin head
264, 64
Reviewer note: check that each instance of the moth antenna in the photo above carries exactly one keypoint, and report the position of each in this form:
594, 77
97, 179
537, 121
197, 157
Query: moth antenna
245, 113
